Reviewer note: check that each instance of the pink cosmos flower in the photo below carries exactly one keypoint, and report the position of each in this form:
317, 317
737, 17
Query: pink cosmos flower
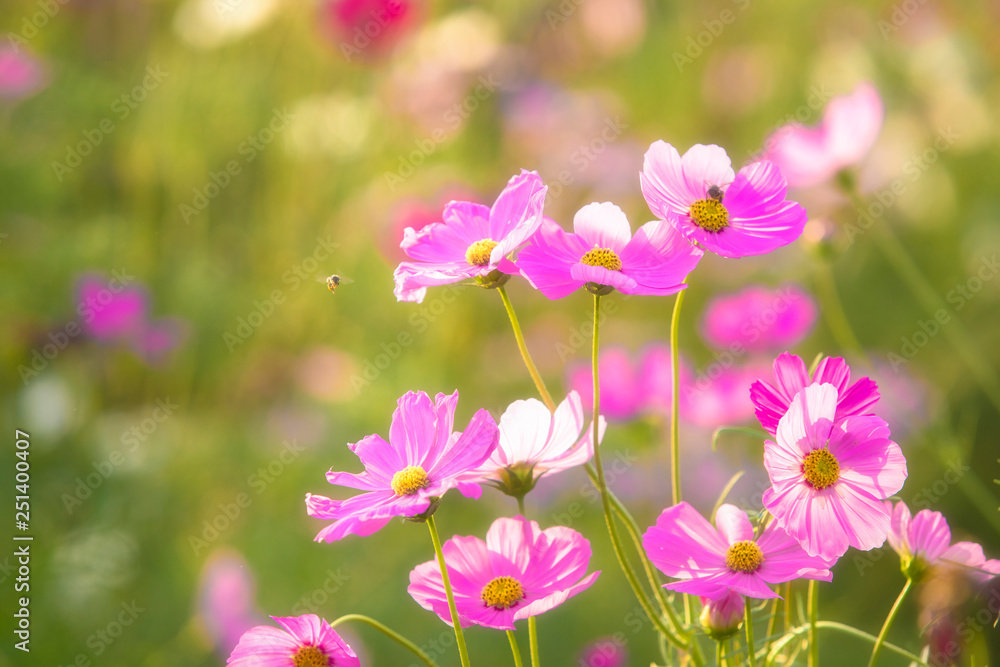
810, 155
304, 640
534, 441
721, 616
759, 319
791, 376
416, 212
924, 541
721, 396
118, 313
713, 560
603, 252
226, 600
472, 239
405, 476
829, 475
628, 388
518, 572
21, 74
733, 215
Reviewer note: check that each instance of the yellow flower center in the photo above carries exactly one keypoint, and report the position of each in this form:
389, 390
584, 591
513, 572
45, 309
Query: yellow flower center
820, 468
409, 480
479, 252
502, 593
744, 556
310, 656
605, 257
709, 214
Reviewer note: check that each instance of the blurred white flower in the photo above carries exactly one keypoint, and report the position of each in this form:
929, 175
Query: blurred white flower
208, 24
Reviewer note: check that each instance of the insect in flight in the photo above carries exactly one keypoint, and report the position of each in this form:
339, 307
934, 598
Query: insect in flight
334, 281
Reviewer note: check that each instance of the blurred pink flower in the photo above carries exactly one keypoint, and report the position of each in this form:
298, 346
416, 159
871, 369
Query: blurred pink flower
721, 398
627, 388
607, 652
21, 74
114, 312
760, 319
810, 155
368, 27
416, 213
226, 600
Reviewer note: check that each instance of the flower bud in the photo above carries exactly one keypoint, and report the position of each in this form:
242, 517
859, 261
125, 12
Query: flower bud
721, 617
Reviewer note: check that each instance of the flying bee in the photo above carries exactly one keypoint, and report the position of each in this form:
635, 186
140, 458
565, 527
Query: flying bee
334, 281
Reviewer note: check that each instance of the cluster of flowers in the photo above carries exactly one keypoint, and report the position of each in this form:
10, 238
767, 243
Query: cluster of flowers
832, 465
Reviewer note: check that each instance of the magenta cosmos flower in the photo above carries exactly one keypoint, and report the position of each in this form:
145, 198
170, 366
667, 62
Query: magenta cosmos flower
924, 541
720, 396
305, 641
733, 215
21, 74
829, 476
791, 376
403, 477
714, 560
606, 652
810, 155
472, 239
758, 319
519, 571
226, 601
534, 442
603, 253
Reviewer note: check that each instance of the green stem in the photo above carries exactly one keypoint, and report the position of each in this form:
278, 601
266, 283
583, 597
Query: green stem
602, 487
675, 398
846, 629
391, 634
751, 651
833, 311
813, 616
888, 622
719, 657
533, 638
525, 355
520, 506
514, 649
463, 652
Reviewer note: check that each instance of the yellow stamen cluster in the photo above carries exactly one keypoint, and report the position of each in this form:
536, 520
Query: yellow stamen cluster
820, 468
605, 257
310, 656
709, 214
409, 480
478, 254
502, 593
744, 556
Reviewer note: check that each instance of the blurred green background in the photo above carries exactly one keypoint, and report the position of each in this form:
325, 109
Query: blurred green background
362, 138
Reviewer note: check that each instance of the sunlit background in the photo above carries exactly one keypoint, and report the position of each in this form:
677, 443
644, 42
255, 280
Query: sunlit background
194, 170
